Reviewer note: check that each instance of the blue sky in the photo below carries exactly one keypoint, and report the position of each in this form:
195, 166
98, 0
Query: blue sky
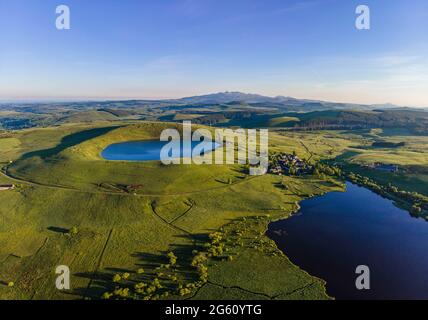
174, 48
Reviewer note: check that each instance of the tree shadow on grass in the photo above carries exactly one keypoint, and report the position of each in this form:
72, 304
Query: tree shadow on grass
69, 141
59, 230
102, 281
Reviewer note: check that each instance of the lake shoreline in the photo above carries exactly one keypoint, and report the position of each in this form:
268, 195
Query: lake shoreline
290, 236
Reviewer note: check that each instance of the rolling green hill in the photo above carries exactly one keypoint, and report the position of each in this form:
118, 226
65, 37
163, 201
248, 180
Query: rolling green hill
128, 216
64, 184
88, 117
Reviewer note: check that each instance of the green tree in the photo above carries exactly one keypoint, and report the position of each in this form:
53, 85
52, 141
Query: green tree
73, 231
416, 209
172, 258
106, 295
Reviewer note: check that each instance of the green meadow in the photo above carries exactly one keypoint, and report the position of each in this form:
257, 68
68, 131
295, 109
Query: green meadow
148, 231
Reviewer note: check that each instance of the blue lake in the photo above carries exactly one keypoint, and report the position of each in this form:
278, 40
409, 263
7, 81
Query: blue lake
333, 234
142, 150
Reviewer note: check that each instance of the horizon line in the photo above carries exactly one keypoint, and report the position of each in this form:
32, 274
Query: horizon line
31, 100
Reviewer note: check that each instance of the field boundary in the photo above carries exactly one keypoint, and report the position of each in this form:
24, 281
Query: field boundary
100, 258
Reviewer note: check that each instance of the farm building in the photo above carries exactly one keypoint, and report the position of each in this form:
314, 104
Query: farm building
4, 187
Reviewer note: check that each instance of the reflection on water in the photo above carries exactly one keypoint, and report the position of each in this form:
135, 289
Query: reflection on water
335, 233
142, 150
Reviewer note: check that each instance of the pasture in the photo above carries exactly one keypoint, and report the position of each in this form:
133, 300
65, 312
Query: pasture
64, 184
129, 215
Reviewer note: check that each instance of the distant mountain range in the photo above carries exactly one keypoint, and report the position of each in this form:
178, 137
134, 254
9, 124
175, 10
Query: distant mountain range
221, 109
280, 102
224, 100
227, 97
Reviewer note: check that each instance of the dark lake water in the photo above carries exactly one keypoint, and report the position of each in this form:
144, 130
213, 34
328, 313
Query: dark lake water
334, 233
142, 150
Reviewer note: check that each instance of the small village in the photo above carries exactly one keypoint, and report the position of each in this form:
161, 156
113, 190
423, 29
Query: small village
288, 164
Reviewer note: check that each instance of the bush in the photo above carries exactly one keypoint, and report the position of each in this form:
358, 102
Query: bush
106, 295
416, 209
184, 292
172, 258
122, 292
73, 231
156, 283
140, 285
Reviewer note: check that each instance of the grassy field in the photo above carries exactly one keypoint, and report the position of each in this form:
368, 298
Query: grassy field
63, 184
409, 153
357, 149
